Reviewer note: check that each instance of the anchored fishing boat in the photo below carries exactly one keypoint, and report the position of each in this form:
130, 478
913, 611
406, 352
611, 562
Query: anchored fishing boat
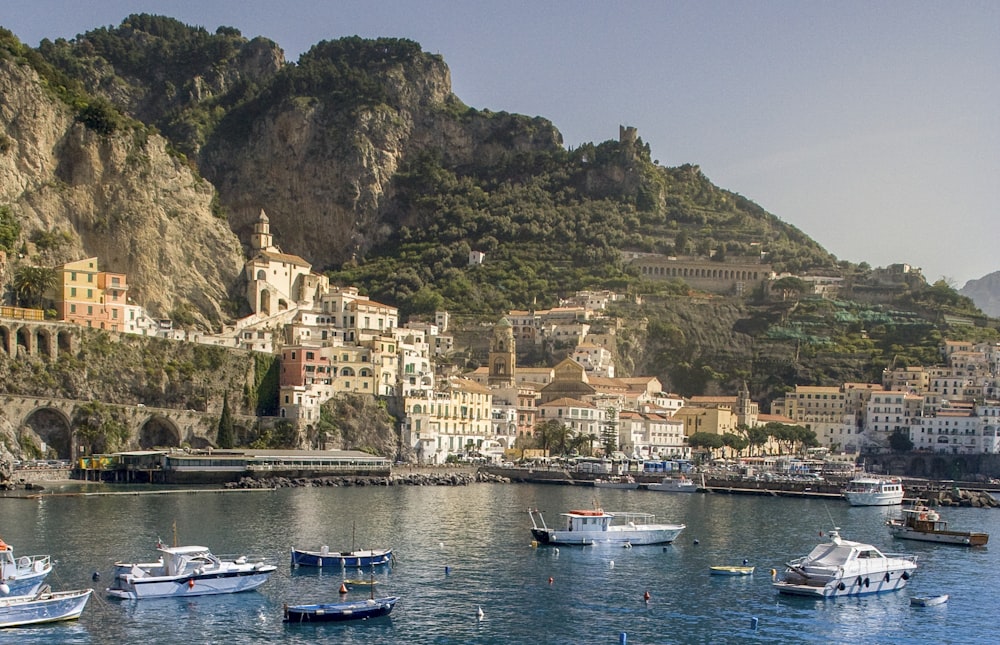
21, 576
339, 611
43, 607
674, 485
599, 527
919, 522
327, 558
845, 568
187, 571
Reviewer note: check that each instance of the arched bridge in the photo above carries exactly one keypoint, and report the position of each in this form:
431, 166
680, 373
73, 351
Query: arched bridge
21, 333
148, 427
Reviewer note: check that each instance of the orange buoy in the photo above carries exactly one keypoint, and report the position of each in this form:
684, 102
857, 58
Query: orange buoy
191, 583
645, 596
343, 588
551, 579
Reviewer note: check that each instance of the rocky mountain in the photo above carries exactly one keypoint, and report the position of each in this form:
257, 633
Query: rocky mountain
154, 145
121, 196
371, 168
985, 292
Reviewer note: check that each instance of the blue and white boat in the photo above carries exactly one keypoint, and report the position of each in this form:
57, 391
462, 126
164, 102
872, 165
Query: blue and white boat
44, 607
187, 571
340, 611
24, 575
327, 558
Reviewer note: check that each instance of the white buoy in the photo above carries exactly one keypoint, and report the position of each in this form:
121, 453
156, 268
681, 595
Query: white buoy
4, 589
612, 564
479, 613
441, 544
556, 551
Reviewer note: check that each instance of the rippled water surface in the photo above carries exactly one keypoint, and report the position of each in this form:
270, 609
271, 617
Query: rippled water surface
462, 548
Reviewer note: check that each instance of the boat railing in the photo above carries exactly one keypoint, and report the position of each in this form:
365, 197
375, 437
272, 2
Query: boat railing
635, 518
38, 563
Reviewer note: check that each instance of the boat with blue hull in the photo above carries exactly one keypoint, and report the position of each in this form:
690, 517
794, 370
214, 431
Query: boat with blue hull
324, 557
340, 611
21, 576
184, 571
43, 607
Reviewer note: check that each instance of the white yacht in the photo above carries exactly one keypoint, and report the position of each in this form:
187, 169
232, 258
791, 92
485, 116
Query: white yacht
844, 568
874, 491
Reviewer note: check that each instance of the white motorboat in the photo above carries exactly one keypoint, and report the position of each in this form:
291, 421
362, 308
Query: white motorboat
187, 571
626, 482
844, 568
21, 576
928, 601
43, 607
919, 522
600, 527
874, 491
674, 485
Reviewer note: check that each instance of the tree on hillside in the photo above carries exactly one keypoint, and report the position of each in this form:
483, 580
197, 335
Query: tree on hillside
226, 436
32, 283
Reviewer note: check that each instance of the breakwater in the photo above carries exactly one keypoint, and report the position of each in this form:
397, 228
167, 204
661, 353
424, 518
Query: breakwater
445, 478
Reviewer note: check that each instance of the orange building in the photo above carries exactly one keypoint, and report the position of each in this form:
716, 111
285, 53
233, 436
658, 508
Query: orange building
92, 298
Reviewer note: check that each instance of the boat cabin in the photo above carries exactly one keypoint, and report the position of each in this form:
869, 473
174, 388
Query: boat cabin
182, 560
588, 520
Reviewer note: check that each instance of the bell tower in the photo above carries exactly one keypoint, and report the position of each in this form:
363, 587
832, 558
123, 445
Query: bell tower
262, 240
502, 355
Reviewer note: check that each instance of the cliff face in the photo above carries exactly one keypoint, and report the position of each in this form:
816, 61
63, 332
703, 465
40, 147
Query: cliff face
985, 292
325, 173
120, 197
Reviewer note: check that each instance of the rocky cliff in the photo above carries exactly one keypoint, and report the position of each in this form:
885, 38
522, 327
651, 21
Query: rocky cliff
122, 197
985, 292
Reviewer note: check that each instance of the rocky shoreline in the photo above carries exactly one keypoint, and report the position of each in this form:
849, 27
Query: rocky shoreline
460, 478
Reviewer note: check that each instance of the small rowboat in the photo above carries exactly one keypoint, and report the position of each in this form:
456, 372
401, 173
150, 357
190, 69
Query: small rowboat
929, 601
340, 611
730, 571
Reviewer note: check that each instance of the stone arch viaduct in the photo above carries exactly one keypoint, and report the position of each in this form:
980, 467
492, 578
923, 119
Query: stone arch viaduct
20, 333
52, 420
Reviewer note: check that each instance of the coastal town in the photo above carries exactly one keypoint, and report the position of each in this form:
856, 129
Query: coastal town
333, 340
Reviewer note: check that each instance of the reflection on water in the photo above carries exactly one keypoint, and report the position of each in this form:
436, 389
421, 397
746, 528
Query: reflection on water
464, 548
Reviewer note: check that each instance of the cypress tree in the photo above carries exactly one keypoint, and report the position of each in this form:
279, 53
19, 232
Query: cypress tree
226, 436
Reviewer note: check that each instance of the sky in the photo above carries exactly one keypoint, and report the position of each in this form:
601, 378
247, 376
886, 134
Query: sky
872, 126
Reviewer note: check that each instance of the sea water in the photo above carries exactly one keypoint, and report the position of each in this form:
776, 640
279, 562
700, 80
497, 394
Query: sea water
462, 549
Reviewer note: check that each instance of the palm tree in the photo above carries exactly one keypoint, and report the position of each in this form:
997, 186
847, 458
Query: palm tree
552, 435
32, 283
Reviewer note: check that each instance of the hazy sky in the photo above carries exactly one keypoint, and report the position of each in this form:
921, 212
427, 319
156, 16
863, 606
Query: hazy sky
872, 126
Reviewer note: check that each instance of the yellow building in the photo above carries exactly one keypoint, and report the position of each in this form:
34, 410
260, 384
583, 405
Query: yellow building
448, 420
89, 297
